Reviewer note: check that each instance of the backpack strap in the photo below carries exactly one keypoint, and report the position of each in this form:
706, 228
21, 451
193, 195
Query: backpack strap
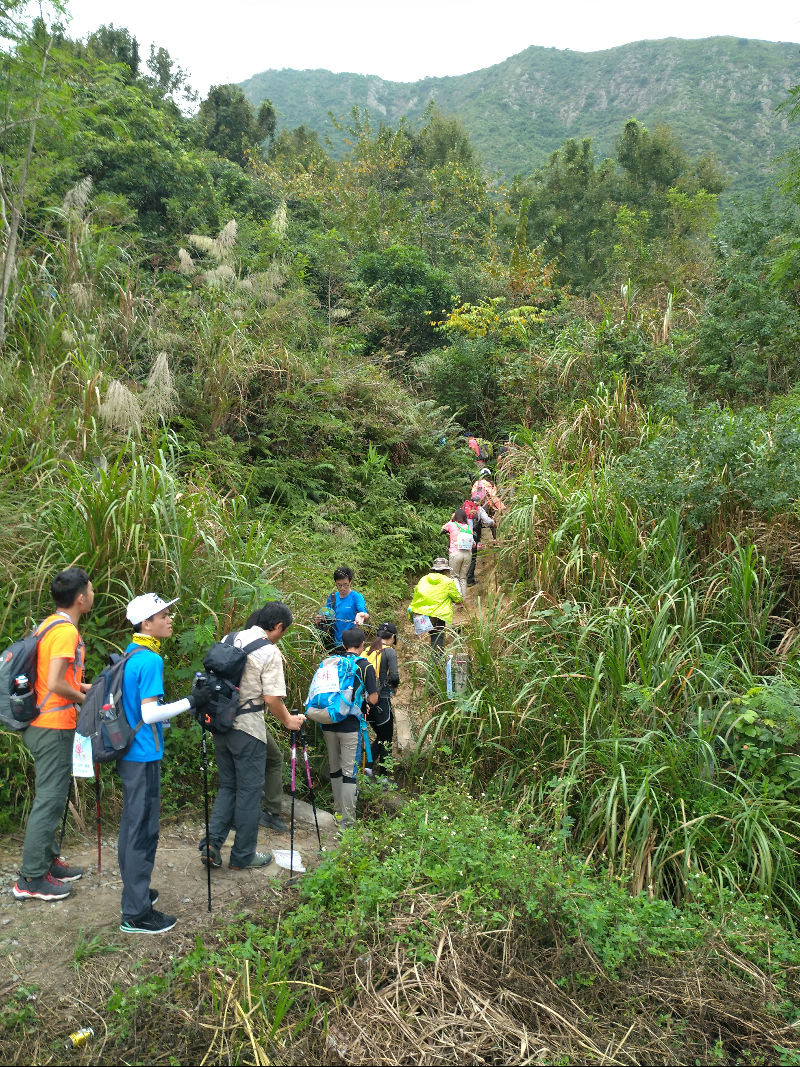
254, 646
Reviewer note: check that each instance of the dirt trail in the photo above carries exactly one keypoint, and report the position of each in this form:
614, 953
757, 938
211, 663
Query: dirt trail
406, 701
48, 947
42, 943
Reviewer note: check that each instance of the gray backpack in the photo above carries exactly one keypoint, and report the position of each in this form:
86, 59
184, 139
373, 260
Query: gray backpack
18, 708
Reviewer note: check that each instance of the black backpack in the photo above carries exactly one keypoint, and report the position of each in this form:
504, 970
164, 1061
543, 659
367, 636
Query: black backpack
224, 666
101, 716
16, 710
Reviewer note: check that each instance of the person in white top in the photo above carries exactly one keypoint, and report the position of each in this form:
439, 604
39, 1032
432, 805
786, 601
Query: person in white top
242, 752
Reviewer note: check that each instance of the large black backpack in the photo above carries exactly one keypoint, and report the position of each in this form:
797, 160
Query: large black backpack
17, 712
224, 666
101, 716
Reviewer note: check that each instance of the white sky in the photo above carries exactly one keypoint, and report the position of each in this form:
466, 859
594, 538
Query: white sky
228, 41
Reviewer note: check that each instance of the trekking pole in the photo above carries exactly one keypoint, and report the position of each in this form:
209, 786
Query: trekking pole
205, 800
291, 821
310, 786
97, 813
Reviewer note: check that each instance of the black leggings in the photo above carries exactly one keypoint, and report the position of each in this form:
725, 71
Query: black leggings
382, 745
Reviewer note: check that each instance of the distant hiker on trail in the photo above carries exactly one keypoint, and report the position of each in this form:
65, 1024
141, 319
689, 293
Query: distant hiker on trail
343, 608
481, 449
485, 492
478, 518
140, 768
461, 544
342, 738
382, 654
247, 755
433, 598
59, 686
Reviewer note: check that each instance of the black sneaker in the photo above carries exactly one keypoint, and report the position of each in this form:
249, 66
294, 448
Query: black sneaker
272, 822
260, 859
45, 888
155, 922
63, 872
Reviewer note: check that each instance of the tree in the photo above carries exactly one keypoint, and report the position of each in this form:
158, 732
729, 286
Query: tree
27, 84
116, 45
228, 124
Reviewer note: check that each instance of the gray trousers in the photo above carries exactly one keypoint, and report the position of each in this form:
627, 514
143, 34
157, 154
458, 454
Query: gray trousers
52, 762
240, 766
138, 833
273, 777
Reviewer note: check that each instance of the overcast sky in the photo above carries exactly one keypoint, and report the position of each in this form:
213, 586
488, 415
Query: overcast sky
230, 40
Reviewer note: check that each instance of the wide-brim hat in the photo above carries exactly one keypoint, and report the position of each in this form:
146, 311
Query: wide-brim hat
146, 606
440, 564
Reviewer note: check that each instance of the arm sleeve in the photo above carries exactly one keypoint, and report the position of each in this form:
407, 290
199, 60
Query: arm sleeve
389, 657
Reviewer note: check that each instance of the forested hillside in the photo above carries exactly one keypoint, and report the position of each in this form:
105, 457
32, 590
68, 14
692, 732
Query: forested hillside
719, 94
231, 361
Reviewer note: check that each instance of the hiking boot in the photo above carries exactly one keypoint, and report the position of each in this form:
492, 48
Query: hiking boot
272, 822
45, 888
63, 872
210, 855
155, 922
260, 859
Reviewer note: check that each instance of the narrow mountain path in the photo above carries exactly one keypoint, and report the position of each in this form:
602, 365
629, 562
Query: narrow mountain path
409, 715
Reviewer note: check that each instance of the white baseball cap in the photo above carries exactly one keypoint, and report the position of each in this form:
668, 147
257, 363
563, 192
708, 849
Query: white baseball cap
146, 606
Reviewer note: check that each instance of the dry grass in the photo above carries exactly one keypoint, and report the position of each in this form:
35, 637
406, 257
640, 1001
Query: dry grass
492, 998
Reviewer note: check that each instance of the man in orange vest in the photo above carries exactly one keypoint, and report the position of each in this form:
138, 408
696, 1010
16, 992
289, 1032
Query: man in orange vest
59, 688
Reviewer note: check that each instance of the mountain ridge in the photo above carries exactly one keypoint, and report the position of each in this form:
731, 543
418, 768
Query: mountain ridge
718, 93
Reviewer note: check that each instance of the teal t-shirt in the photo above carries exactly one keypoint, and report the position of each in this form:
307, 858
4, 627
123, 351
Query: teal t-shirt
143, 678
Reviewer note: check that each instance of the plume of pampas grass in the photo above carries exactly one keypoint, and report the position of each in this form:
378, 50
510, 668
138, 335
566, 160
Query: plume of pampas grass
219, 276
80, 295
219, 247
185, 262
160, 398
78, 196
121, 410
226, 239
280, 219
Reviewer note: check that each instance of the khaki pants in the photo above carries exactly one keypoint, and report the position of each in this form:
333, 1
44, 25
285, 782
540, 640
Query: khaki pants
459, 567
342, 747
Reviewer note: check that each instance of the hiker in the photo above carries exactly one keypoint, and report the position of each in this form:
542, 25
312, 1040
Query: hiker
461, 543
480, 448
140, 767
59, 687
342, 738
433, 598
247, 755
382, 654
343, 608
484, 491
478, 518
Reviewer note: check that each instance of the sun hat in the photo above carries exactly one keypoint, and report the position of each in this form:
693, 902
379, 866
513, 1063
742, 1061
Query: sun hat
146, 606
440, 564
